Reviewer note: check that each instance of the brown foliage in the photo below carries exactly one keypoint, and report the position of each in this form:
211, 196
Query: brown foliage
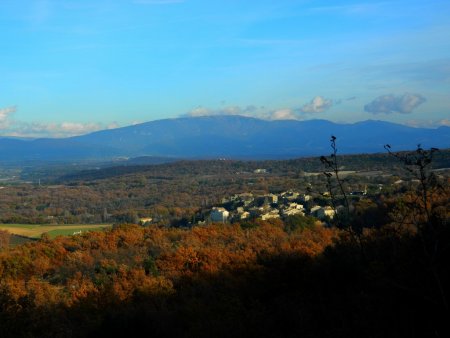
4, 239
220, 280
70, 269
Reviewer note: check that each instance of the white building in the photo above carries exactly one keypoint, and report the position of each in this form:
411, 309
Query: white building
326, 211
306, 198
291, 212
245, 215
294, 209
145, 221
271, 214
272, 198
314, 209
219, 214
295, 206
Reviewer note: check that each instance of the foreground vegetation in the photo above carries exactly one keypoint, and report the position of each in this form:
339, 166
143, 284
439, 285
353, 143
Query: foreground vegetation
263, 278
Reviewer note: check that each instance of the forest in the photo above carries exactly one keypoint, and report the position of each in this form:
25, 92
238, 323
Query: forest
167, 192
379, 269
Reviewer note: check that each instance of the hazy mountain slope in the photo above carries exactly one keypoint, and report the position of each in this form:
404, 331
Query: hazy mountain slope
228, 136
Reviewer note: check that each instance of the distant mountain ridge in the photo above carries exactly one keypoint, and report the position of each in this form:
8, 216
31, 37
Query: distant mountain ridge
226, 136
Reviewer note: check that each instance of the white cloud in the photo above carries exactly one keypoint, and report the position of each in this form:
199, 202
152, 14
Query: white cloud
200, 111
63, 129
444, 122
248, 111
10, 127
234, 110
317, 105
112, 125
428, 123
5, 115
38, 129
252, 111
388, 104
5, 112
284, 114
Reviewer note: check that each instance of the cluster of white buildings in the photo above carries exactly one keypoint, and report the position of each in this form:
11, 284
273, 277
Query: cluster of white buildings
246, 206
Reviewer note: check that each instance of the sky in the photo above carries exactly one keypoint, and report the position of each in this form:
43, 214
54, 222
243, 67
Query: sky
71, 67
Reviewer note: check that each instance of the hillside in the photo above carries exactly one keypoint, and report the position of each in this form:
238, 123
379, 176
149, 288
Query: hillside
171, 191
226, 136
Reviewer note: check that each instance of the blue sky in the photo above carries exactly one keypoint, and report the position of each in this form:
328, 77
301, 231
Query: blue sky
71, 67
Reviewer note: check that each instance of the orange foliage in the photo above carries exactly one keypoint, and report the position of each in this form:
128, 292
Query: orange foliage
116, 265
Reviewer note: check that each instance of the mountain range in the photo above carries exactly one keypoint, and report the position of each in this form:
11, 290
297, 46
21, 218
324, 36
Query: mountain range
227, 137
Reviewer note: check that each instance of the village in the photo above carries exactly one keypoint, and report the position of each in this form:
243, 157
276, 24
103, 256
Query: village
245, 206
248, 206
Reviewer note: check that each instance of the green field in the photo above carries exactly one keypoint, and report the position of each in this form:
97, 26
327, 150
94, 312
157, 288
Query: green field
36, 231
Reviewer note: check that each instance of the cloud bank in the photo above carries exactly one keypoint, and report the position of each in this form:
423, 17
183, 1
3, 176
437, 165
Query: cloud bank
10, 127
428, 123
317, 105
63, 129
389, 104
248, 111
